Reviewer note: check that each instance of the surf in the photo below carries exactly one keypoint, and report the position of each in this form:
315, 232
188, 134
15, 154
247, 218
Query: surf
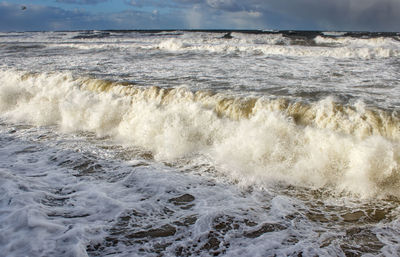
254, 141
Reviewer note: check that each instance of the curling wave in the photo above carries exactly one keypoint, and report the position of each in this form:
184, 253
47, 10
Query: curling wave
254, 141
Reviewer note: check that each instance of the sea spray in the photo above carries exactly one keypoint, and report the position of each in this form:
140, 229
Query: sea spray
254, 141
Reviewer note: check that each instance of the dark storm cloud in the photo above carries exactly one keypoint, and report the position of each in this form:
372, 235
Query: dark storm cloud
373, 15
81, 1
339, 14
383, 15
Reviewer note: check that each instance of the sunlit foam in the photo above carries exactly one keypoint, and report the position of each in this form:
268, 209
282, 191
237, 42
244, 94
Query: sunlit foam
254, 141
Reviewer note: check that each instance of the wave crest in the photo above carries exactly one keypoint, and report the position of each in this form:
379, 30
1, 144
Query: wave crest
254, 141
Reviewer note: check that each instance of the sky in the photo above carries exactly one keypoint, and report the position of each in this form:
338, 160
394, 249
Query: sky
327, 15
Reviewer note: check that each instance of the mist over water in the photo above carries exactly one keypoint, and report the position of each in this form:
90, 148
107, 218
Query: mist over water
186, 143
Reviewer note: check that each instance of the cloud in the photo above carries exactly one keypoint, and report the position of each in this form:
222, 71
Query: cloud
376, 15
227, 5
83, 2
153, 3
373, 15
203, 17
38, 18
194, 17
380, 15
140, 20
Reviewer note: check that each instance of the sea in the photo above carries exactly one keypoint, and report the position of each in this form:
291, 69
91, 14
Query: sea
199, 143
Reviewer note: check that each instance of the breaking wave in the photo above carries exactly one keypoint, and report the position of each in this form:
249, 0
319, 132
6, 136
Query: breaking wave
253, 141
320, 48
341, 47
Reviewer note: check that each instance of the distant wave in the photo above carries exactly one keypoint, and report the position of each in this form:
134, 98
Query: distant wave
276, 44
342, 45
254, 141
318, 47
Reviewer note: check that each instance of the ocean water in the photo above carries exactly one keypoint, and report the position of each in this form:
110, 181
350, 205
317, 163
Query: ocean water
189, 143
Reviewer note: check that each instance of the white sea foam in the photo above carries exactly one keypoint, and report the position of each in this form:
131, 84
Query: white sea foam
341, 150
275, 153
359, 42
334, 33
342, 51
265, 44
